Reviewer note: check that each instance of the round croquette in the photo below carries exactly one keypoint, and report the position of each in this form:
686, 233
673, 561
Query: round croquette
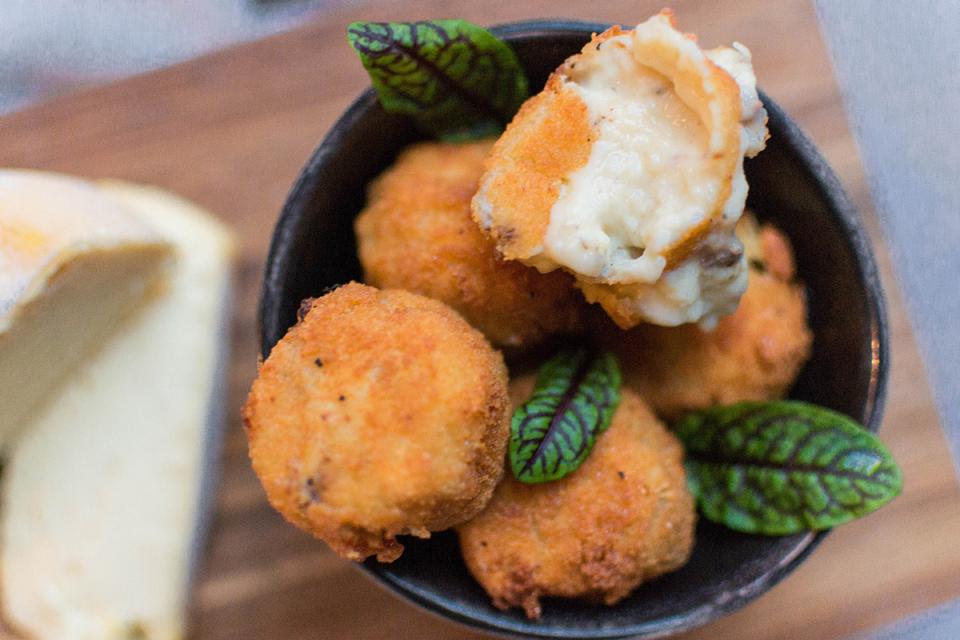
379, 414
416, 233
623, 518
753, 354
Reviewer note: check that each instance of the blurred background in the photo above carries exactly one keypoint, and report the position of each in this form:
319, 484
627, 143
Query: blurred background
48, 47
897, 66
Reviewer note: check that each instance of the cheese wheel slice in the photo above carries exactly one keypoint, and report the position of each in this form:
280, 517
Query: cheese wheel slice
73, 265
104, 490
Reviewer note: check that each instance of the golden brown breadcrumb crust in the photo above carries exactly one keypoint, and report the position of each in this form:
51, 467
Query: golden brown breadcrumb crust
623, 518
416, 233
549, 138
753, 354
381, 413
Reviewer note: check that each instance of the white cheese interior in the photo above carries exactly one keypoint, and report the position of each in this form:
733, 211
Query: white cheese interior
101, 495
647, 184
73, 265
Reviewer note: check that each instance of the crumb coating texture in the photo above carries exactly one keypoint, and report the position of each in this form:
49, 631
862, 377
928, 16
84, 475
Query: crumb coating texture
754, 354
623, 518
380, 413
416, 233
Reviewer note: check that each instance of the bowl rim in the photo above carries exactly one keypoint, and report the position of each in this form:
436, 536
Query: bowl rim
812, 163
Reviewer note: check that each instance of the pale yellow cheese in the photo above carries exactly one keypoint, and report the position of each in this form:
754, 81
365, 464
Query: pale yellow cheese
102, 494
652, 178
73, 265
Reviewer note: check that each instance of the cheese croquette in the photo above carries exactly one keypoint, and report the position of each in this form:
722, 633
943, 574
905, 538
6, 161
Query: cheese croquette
754, 354
416, 233
627, 171
623, 518
379, 414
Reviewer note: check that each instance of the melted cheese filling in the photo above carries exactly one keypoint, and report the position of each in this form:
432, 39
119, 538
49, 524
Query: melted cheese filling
645, 184
648, 185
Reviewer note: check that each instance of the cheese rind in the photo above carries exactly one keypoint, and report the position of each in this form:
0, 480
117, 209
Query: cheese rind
102, 492
73, 265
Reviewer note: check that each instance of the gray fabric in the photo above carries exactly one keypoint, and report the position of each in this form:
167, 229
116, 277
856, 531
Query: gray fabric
898, 65
51, 46
939, 623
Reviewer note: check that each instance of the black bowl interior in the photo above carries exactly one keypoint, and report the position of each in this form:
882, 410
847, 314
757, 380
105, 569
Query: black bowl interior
790, 184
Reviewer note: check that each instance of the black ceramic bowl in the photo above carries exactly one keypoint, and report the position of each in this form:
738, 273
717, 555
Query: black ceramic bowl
790, 185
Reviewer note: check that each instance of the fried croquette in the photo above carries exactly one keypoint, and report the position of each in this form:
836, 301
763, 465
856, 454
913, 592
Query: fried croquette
627, 171
416, 233
623, 518
754, 354
379, 414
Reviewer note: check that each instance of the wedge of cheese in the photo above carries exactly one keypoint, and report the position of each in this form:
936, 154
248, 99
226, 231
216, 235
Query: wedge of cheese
102, 495
73, 265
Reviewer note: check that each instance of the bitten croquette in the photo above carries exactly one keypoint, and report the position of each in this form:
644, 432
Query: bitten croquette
627, 172
623, 518
416, 233
379, 414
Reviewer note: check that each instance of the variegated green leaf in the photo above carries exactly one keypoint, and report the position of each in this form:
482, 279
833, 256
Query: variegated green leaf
576, 393
779, 468
456, 80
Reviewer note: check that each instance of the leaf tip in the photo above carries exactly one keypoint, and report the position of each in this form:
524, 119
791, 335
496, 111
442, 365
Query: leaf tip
354, 29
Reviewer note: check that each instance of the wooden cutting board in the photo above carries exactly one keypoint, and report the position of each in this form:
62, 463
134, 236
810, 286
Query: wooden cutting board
232, 129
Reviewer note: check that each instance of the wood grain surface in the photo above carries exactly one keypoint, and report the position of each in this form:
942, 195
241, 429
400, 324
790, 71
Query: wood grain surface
231, 131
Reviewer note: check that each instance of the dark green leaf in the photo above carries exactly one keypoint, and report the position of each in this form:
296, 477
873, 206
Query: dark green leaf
552, 434
779, 468
456, 80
